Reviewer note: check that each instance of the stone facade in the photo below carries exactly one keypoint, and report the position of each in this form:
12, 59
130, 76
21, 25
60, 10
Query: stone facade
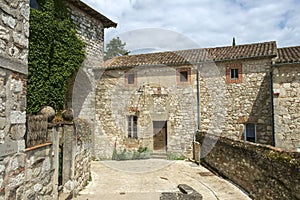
156, 94
14, 33
160, 99
226, 107
286, 87
90, 27
263, 171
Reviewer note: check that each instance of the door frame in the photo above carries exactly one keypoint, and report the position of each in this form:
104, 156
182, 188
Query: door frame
166, 133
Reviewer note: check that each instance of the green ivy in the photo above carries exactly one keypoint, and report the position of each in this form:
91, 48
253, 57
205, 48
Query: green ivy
55, 55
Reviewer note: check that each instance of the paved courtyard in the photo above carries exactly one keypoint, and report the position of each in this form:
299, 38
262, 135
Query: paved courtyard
147, 179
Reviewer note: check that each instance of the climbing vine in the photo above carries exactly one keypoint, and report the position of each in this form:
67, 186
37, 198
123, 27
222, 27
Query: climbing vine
55, 55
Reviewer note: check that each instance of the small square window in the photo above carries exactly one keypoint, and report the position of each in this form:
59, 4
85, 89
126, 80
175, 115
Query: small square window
130, 79
183, 76
234, 73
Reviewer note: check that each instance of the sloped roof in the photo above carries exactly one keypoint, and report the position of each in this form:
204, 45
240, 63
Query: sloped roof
192, 56
288, 55
84, 7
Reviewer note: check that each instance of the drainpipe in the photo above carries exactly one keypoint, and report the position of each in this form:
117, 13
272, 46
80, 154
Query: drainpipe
272, 105
198, 98
198, 109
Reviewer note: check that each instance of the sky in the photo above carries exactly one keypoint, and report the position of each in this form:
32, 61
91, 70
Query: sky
158, 25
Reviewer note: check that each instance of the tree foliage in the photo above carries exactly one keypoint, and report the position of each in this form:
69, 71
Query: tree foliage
114, 48
55, 55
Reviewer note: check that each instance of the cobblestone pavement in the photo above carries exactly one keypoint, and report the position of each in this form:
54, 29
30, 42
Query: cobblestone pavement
147, 179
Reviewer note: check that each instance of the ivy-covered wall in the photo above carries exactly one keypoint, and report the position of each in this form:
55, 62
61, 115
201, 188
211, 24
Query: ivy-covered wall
55, 55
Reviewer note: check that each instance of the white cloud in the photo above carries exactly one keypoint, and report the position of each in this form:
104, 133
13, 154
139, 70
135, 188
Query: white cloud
208, 23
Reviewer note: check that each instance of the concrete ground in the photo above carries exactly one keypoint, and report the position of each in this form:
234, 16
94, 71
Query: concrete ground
147, 179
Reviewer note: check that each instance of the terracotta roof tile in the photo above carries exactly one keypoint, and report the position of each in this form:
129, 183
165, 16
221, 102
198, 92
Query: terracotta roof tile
288, 55
267, 49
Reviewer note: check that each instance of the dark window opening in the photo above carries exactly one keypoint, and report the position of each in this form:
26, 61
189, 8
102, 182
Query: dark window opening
234, 73
130, 78
250, 133
184, 76
132, 126
34, 4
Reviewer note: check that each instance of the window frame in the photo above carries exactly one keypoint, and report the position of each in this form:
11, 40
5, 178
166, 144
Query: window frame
230, 68
132, 126
128, 75
246, 133
179, 76
234, 73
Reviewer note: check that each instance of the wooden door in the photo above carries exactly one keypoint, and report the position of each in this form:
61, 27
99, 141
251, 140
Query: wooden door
159, 135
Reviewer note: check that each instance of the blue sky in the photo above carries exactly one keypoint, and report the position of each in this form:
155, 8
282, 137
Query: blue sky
183, 24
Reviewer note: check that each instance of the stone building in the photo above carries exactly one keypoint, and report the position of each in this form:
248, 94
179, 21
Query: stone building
152, 100
32, 173
90, 26
286, 98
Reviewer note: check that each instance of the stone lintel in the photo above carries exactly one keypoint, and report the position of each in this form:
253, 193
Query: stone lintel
13, 65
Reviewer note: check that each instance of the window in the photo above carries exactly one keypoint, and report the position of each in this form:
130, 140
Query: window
34, 4
250, 132
183, 76
132, 126
234, 73
130, 79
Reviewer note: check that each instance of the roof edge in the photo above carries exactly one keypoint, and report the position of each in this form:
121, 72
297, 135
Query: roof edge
107, 23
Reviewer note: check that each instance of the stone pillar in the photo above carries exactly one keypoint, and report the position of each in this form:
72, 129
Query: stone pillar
69, 153
55, 147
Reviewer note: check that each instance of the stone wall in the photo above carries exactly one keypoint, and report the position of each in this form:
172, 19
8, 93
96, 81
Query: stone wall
76, 144
28, 175
227, 107
155, 97
82, 90
14, 32
263, 171
83, 154
91, 32
286, 87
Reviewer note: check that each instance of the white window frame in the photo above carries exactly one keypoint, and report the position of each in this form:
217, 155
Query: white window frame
245, 132
234, 75
132, 128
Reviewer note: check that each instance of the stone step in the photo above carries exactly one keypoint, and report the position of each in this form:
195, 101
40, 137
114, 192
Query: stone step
159, 155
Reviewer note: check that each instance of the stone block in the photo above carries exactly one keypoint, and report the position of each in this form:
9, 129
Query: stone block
17, 131
2, 123
20, 40
18, 117
9, 21
4, 33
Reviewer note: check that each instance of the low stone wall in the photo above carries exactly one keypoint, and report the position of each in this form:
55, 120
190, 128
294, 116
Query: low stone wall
39, 172
28, 175
263, 171
83, 154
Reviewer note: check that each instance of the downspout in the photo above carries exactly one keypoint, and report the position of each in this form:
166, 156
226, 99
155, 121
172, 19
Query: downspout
198, 98
272, 105
198, 109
